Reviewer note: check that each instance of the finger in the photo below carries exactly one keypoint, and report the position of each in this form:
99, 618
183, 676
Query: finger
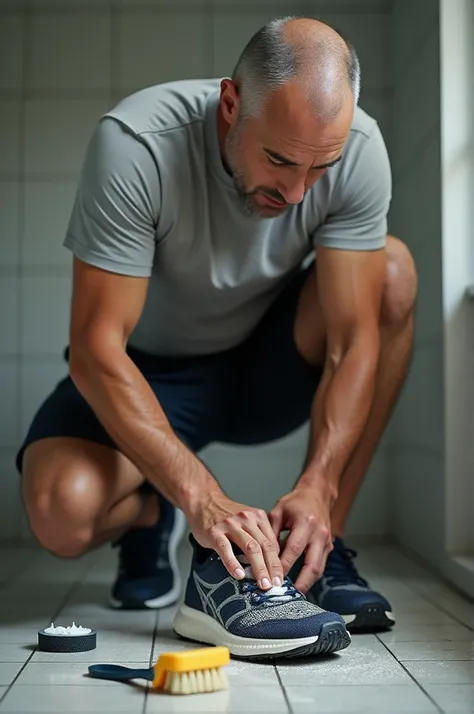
247, 537
264, 535
295, 546
314, 564
266, 527
223, 548
275, 518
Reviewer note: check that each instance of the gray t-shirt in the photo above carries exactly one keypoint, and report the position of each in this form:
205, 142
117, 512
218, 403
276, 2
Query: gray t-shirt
154, 200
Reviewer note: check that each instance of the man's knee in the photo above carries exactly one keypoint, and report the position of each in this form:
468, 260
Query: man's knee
401, 284
61, 509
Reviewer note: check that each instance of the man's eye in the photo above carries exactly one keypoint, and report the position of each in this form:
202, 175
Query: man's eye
274, 162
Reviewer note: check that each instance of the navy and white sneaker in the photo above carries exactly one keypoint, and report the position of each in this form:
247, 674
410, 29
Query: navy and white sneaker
254, 624
344, 591
149, 575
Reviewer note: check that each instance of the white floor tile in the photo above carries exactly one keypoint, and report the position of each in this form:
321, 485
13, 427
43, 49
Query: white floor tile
67, 674
21, 614
107, 653
15, 652
248, 674
136, 619
25, 634
113, 631
430, 617
250, 701
414, 603
26, 698
357, 665
366, 677
393, 700
168, 641
166, 617
44, 592
443, 650
453, 699
427, 633
8, 672
442, 672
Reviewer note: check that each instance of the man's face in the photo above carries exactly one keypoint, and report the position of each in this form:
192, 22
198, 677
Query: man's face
275, 158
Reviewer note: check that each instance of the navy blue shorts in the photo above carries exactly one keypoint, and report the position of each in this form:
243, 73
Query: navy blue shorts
254, 393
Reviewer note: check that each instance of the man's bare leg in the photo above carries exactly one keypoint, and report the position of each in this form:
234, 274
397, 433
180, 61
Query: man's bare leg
79, 494
395, 360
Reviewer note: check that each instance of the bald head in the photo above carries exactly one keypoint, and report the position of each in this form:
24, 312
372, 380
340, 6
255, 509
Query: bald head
302, 51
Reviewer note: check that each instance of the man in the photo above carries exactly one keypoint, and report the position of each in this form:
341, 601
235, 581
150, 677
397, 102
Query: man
199, 315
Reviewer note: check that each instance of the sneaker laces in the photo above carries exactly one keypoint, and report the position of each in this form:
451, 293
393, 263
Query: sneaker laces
277, 593
340, 568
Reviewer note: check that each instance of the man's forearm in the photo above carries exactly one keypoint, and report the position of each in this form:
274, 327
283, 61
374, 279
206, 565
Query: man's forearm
128, 409
339, 413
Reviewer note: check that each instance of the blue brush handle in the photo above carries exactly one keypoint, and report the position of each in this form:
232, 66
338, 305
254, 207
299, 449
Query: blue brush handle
119, 673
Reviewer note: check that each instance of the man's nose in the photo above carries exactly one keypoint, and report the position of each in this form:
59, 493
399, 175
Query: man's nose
293, 190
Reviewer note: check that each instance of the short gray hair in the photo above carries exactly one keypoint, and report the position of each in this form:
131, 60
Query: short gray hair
269, 60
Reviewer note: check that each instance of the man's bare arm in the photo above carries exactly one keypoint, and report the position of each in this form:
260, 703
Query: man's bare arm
105, 310
350, 285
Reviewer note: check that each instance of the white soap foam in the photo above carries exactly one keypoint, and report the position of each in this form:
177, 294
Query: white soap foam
72, 630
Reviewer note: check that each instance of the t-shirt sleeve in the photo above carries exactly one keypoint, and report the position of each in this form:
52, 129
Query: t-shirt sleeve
357, 218
114, 217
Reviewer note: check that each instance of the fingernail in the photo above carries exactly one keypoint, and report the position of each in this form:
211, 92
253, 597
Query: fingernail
266, 583
277, 581
239, 573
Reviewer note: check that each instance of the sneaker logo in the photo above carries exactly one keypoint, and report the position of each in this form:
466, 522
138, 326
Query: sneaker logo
208, 591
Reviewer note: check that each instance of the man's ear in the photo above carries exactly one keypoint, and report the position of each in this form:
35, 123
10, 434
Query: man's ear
230, 100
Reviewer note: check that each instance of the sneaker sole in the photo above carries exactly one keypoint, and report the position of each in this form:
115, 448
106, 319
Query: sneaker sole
370, 618
190, 624
173, 595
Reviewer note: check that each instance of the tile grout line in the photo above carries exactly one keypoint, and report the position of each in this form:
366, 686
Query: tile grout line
283, 689
412, 677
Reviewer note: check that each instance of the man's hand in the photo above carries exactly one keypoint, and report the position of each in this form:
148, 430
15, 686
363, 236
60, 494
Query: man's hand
305, 512
218, 522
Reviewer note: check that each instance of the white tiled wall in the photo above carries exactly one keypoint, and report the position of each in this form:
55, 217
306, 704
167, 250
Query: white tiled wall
415, 457
64, 62
457, 141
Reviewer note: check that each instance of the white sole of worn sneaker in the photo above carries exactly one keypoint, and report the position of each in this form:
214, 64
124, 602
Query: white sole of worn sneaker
194, 625
174, 594
371, 616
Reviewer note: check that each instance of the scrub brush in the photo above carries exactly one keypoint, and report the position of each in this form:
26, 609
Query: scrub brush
187, 672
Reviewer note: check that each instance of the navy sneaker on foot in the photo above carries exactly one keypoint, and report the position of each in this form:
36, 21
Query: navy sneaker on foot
254, 624
148, 575
344, 591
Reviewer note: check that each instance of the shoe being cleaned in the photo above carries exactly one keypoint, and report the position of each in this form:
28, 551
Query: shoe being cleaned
254, 624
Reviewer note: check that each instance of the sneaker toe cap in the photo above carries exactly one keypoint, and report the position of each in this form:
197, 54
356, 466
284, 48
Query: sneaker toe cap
287, 628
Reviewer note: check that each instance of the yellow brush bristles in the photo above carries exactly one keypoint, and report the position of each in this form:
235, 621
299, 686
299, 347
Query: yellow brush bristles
192, 671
